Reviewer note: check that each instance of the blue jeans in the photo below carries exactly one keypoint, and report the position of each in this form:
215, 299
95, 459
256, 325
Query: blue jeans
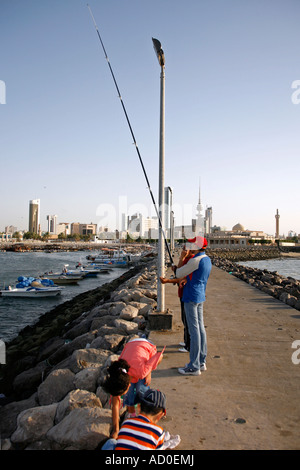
135, 391
110, 444
198, 344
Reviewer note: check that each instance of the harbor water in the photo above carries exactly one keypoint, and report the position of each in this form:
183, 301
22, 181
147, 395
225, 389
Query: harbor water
287, 267
16, 313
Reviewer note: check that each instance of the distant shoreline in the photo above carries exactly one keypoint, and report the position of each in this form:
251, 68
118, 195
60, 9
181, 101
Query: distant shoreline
33, 245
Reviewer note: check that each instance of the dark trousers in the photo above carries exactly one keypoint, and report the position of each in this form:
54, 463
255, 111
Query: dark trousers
186, 336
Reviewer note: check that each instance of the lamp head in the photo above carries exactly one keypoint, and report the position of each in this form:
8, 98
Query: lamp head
159, 52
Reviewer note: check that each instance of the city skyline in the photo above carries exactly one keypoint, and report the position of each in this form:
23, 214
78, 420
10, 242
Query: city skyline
232, 113
203, 221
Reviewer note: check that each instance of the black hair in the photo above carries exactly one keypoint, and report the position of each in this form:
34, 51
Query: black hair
118, 379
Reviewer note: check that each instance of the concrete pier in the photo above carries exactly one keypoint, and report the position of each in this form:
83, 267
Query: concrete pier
249, 397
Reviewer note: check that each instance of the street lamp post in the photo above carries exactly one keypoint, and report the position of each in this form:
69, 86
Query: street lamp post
161, 242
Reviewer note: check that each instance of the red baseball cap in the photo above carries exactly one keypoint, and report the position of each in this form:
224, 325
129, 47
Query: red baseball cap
196, 243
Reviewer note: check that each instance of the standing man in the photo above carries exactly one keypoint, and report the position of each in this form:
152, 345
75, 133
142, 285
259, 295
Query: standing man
197, 272
183, 259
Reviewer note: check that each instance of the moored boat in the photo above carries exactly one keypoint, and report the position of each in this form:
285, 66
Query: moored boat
63, 277
31, 287
91, 271
35, 292
114, 258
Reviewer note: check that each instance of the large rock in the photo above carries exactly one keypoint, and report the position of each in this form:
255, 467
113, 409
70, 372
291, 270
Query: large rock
291, 301
128, 327
87, 378
33, 424
110, 342
114, 308
82, 428
25, 383
122, 295
56, 386
50, 347
129, 312
83, 358
79, 329
143, 308
67, 349
297, 305
103, 397
98, 322
10, 412
109, 331
76, 399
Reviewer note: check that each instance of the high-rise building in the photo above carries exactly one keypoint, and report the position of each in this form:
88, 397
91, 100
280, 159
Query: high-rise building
124, 223
52, 224
34, 215
208, 220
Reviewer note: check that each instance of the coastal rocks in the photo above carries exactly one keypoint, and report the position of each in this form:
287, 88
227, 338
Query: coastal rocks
76, 399
51, 328
87, 378
129, 312
56, 386
29, 380
63, 377
10, 412
286, 290
33, 424
127, 327
82, 428
244, 254
110, 342
83, 358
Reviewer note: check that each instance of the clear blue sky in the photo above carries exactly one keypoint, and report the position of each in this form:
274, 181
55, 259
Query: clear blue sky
230, 120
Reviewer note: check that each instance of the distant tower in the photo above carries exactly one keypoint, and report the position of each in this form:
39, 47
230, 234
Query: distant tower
34, 215
199, 217
277, 216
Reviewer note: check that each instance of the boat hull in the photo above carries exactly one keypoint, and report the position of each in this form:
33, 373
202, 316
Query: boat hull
34, 293
63, 279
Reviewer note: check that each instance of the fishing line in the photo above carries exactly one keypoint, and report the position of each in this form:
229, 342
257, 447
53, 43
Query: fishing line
132, 134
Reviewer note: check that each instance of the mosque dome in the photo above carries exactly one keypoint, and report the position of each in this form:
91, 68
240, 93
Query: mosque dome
238, 228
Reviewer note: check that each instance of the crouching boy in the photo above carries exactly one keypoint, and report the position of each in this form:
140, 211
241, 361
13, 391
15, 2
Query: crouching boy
142, 432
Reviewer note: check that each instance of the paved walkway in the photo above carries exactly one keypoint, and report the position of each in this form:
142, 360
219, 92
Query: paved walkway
249, 397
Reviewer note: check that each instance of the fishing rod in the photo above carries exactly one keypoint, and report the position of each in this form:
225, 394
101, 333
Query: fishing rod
132, 134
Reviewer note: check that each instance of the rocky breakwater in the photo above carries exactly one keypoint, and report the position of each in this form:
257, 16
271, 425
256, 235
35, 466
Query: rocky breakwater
66, 407
286, 290
249, 253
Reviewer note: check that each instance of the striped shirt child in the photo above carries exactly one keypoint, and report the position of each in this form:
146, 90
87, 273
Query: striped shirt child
140, 434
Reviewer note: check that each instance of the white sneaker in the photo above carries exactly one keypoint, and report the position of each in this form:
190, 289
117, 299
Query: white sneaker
182, 343
183, 350
203, 366
188, 371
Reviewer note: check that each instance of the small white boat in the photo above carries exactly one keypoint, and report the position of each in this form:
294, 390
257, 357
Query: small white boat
91, 271
31, 291
64, 277
114, 258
